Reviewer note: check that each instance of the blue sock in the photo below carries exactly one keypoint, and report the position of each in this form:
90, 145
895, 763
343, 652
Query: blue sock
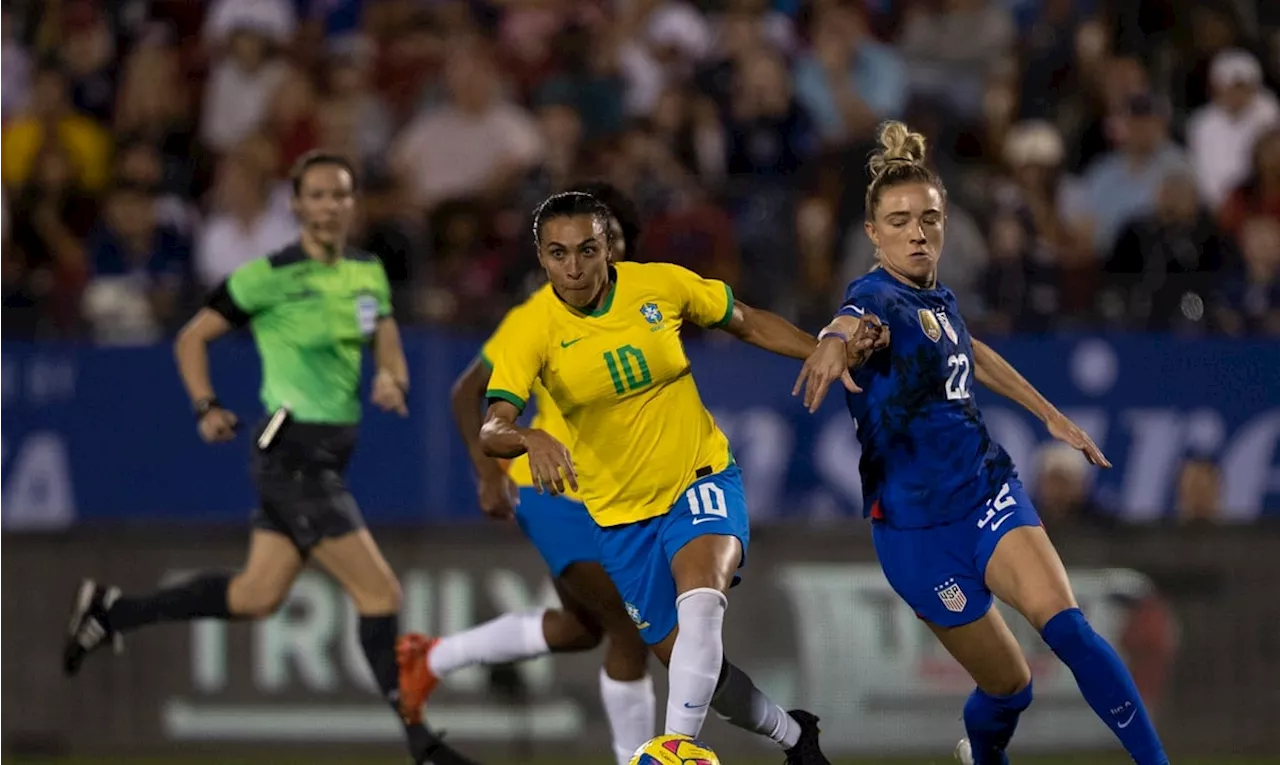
990, 721
1106, 684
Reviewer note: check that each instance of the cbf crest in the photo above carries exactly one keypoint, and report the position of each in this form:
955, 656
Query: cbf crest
952, 596
651, 313
634, 612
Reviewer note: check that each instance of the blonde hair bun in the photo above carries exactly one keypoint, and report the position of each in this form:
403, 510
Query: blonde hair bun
898, 145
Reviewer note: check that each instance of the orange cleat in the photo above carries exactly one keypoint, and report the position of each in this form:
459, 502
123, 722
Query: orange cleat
416, 680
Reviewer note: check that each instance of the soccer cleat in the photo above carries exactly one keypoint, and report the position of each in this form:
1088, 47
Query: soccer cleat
964, 754
806, 751
416, 680
428, 747
88, 630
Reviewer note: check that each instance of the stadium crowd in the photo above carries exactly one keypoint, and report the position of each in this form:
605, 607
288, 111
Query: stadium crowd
1109, 165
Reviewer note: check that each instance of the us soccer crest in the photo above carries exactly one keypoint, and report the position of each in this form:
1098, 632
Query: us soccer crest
651, 313
952, 596
946, 325
929, 323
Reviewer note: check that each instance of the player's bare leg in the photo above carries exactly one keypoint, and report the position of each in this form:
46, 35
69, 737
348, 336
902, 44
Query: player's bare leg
356, 562
1026, 572
625, 685
101, 614
575, 626
700, 677
991, 655
591, 611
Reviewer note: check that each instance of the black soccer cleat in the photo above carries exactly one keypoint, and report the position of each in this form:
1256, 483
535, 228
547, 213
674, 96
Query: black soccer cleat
806, 751
428, 748
88, 630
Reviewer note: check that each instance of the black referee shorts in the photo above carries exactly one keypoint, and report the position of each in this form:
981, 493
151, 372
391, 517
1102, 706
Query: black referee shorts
302, 485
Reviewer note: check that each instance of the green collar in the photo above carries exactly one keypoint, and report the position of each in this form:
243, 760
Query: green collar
608, 299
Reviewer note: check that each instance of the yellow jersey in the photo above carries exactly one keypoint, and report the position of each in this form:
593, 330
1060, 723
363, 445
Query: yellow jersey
545, 415
639, 434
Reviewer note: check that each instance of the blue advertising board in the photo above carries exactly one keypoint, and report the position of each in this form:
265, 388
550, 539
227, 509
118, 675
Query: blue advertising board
105, 435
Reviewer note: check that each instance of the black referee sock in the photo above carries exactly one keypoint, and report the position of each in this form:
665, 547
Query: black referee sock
378, 638
204, 597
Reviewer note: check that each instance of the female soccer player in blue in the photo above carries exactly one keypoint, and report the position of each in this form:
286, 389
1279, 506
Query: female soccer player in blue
951, 522
657, 476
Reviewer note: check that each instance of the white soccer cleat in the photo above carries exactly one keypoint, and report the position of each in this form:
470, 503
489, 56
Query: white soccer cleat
964, 752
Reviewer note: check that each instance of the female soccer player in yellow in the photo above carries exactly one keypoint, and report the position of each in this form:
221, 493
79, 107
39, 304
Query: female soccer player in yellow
646, 457
560, 528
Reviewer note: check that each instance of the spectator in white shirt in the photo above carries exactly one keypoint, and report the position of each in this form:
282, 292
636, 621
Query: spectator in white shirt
245, 226
240, 90
1221, 133
475, 145
274, 19
665, 39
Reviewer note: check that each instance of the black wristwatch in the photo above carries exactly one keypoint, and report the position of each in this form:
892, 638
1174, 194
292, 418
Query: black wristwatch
206, 405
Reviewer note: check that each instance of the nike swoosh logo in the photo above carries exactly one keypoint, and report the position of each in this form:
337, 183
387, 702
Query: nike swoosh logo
857, 310
1125, 724
687, 705
696, 521
563, 344
1001, 520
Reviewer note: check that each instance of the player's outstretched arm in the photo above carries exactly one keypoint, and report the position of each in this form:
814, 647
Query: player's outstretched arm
846, 343
549, 460
769, 331
998, 375
466, 400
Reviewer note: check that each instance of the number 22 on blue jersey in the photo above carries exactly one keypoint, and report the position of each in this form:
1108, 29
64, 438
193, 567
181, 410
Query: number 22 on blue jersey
957, 385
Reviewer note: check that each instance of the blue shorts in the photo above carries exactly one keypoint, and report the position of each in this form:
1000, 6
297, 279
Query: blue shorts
638, 555
560, 528
941, 570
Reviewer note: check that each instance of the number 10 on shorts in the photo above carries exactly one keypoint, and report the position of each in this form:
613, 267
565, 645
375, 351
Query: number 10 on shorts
706, 502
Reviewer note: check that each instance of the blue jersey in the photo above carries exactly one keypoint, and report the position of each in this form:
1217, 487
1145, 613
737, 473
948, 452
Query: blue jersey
927, 458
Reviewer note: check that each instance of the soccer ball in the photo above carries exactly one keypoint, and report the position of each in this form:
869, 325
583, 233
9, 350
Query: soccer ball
674, 750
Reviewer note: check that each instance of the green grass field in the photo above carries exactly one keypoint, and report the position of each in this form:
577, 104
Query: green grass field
1084, 759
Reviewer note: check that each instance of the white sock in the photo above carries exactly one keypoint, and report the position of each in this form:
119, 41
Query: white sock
629, 706
509, 637
695, 660
739, 702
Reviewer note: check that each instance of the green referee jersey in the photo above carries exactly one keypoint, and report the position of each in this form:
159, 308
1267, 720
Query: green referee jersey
311, 321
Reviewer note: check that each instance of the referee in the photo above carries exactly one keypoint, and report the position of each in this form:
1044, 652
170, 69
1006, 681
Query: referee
312, 308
